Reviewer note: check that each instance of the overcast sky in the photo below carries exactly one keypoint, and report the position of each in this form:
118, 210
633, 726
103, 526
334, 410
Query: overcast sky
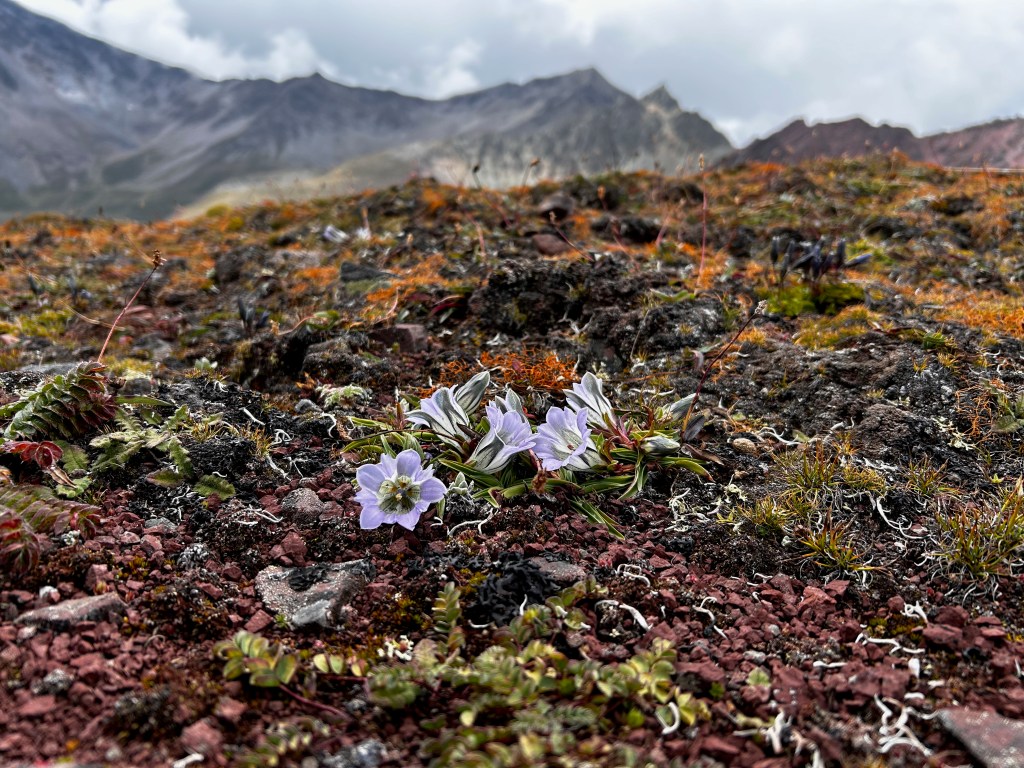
748, 65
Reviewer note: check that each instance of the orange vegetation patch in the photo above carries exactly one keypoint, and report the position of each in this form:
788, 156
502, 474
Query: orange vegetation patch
986, 310
383, 302
314, 278
523, 370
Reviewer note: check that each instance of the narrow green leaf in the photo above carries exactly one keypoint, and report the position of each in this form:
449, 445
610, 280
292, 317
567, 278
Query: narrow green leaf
146, 400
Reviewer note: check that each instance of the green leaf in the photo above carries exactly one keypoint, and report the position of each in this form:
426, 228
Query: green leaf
678, 461
479, 478
235, 668
605, 484
211, 484
264, 678
74, 458
177, 419
165, 478
595, 515
285, 668
637, 485
758, 676
180, 457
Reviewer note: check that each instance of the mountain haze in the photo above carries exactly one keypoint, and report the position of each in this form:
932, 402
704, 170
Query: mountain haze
85, 125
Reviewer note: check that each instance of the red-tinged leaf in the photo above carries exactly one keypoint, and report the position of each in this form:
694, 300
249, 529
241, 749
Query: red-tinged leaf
45, 454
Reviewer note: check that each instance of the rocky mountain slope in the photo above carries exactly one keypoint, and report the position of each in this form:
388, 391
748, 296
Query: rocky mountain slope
817, 561
997, 144
84, 125
852, 138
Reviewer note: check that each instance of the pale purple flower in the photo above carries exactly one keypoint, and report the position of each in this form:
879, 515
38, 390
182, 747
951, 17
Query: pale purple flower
586, 395
442, 414
564, 441
397, 490
509, 434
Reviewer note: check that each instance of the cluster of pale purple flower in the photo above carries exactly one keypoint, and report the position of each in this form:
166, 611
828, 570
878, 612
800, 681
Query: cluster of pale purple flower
399, 489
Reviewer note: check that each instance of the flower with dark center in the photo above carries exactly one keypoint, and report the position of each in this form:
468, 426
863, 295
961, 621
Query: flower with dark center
397, 490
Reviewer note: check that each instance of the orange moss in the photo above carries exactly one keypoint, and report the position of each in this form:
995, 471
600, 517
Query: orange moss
314, 278
985, 310
383, 302
433, 200
524, 370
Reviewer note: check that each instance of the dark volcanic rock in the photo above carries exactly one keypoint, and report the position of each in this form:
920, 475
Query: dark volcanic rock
630, 229
526, 297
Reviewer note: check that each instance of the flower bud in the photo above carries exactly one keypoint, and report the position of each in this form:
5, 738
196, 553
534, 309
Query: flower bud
587, 395
681, 407
659, 445
469, 394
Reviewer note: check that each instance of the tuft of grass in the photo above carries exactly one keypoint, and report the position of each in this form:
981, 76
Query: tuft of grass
831, 545
811, 470
863, 479
830, 332
770, 516
924, 478
983, 539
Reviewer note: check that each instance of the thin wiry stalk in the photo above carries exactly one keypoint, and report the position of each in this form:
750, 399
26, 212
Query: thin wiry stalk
158, 260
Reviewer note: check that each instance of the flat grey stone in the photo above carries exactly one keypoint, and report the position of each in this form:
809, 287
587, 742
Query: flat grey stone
66, 614
993, 740
316, 594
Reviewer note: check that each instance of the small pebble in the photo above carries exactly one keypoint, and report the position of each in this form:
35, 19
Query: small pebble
745, 445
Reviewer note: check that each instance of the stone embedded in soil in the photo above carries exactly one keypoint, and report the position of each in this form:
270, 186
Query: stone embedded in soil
303, 506
65, 614
316, 594
259, 621
56, 681
994, 741
294, 546
550, 245
410, 337
564, 573
941, 636
230, 710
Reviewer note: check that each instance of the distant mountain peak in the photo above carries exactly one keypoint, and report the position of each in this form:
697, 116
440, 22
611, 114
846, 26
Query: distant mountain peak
88, 124
660, 97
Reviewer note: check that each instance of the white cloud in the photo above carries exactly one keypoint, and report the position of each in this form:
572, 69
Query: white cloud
453, 73
160, 29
